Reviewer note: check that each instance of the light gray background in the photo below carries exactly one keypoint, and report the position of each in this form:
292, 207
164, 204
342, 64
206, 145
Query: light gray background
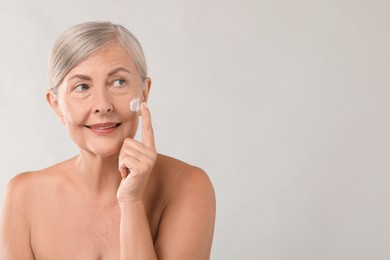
284, 103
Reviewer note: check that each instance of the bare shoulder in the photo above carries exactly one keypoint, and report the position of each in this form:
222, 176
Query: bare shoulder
27, 182
187, 224
183, 176
17, 209
191, 184
24, 187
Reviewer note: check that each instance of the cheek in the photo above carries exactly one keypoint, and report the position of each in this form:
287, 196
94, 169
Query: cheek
135, 104
73, 113
126, 112
130, 118
129, 104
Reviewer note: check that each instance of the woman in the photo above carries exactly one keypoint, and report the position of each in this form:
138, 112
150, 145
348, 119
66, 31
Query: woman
119, 198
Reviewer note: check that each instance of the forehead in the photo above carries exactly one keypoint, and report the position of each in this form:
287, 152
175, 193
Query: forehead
106, 59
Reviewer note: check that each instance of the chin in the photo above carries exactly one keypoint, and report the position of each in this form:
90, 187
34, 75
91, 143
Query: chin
105, 154
104, 151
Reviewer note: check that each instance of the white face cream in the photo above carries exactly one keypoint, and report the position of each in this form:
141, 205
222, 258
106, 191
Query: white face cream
134, 105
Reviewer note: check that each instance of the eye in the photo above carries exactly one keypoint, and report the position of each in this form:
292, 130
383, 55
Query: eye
119, 83
81, 88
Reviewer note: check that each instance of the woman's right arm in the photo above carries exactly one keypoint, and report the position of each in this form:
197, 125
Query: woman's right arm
14, 225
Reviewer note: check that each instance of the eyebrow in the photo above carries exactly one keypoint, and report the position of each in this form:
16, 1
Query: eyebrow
80, 76
117, 70
112, 72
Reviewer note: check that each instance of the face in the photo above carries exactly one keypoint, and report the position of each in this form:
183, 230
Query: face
94, 98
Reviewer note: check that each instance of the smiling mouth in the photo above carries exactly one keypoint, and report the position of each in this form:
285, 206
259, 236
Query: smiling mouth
103, 126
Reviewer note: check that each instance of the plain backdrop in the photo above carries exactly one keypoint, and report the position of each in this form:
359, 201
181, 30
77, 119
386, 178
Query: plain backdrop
285, 104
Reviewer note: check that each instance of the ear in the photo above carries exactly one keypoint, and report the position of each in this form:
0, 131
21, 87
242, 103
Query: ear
53, 102
146, 89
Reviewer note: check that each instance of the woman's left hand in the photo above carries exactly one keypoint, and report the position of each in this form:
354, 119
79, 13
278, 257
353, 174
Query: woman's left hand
136, 161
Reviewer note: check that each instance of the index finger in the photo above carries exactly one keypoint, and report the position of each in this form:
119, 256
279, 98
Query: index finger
147, 129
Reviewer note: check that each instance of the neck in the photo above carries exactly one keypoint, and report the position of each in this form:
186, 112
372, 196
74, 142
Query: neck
97, 175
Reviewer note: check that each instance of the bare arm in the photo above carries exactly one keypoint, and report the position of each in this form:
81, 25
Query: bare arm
186, 228
136, 161
135, 237
187, 225
15, 228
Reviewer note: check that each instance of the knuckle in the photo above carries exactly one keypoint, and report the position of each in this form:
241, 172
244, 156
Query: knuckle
128, 141
137, 171
154, 156
124, 157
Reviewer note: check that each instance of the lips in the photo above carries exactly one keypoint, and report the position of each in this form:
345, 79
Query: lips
104, 128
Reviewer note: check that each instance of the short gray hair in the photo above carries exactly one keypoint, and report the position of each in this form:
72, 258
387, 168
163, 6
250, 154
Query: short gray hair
81, 41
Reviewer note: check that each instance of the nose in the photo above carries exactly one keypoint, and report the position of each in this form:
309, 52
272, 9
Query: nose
103, 103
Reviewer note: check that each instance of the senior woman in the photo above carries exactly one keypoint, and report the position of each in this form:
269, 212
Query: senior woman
119, 198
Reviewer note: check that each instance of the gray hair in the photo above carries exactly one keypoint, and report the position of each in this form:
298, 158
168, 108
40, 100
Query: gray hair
82, 40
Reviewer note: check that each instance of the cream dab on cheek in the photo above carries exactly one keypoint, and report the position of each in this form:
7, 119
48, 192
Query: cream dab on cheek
134, 105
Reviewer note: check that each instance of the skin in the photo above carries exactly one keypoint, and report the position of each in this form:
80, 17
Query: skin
119, 198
